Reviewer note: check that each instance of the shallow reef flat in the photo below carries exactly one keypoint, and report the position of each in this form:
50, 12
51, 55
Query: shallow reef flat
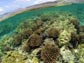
49, 37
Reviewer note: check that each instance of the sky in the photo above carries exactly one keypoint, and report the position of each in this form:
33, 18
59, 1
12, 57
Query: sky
11, 5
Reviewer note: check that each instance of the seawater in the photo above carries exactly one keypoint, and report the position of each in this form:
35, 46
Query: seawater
8, 25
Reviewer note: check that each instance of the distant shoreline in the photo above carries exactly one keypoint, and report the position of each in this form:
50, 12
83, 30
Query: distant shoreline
38, 6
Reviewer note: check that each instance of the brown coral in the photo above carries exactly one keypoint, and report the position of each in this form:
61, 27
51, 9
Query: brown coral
81, 37
45, 18
25, 46
74, 39
26, 33
35, 40
7, 48
37, 24
40, 31
17, 39
54, 33
0, 60
81, 28
50, 53
76, 23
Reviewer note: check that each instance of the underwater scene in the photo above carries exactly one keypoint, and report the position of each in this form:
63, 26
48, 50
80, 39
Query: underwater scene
53, 34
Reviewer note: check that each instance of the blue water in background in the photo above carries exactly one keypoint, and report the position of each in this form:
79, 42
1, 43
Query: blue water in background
8, 25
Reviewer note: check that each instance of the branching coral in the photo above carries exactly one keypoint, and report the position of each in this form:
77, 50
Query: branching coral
81, 53
64, 38
13, 57
49, 53
35, 60
74, 40
39, 22
81, 28
35, 40
17, 39
40, 31
26, 33
81, 37
67, 55
25, 46
75, 22
53, 33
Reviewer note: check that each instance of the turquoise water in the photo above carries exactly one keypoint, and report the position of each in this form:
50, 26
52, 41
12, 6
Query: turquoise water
8, 25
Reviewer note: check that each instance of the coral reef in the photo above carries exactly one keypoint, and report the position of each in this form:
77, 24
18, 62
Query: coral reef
54, 37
